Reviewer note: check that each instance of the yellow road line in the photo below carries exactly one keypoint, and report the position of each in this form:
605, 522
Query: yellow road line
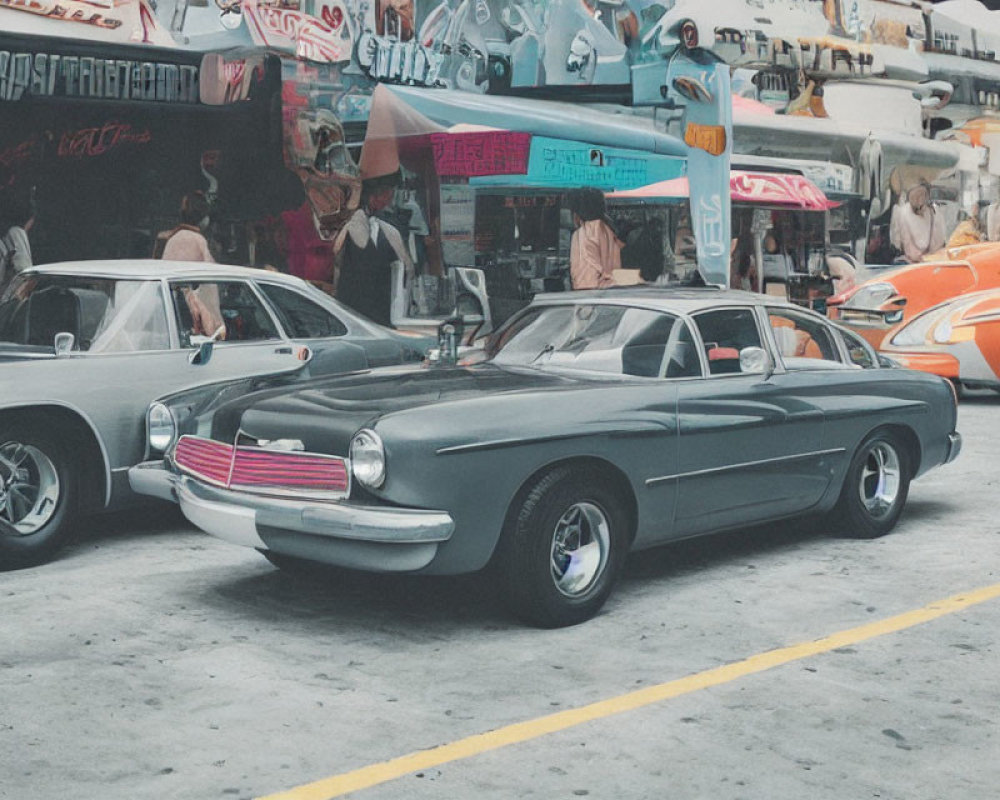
374, 774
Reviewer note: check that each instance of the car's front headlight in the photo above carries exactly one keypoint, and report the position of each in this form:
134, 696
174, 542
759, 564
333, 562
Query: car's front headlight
917, 332
161, 428
368, 458
871, 296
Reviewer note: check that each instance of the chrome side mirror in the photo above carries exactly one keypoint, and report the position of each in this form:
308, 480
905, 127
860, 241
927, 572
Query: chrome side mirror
203, 354
756, 360
62, 343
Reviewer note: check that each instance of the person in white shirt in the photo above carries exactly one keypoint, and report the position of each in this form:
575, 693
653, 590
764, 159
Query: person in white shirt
993, 221
921, 228
16, 219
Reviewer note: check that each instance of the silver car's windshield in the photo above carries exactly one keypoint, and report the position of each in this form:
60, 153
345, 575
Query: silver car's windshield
104, 315
602, 338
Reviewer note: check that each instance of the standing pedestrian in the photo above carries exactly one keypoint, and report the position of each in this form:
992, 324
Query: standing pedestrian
595, 249
187, 241
366, 249
16, 219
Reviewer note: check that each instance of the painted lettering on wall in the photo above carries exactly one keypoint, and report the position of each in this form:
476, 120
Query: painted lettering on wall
96, 141
51, 75
20, 152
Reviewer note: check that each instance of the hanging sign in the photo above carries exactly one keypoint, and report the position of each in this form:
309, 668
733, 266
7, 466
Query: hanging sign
44, 74
481, 153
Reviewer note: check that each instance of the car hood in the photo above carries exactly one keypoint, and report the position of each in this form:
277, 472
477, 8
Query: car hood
325, 414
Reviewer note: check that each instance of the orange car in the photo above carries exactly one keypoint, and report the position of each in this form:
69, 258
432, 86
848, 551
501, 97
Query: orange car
958, 339
883, 303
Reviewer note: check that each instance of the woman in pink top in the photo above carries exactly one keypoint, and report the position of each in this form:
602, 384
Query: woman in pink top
186, 242
595, 250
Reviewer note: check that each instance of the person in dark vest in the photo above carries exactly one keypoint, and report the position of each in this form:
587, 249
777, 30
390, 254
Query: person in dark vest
365, 250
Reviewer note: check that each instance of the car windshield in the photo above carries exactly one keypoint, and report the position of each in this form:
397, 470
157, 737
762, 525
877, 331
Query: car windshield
104, 315
604, 338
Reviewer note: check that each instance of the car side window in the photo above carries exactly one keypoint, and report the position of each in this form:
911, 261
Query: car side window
224, 310
858, 350
725, 332
661, 347
804, 342
301, 317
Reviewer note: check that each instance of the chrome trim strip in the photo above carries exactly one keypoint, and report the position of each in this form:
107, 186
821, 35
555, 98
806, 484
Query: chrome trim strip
744, 465
495, 444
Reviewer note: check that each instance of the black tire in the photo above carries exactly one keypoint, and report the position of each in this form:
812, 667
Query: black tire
38, 485
531, 565
875, 487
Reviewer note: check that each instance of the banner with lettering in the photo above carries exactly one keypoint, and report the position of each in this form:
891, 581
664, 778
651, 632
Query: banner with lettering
701, 85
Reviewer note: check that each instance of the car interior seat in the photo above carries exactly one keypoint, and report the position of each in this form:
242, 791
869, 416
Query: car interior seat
52, 310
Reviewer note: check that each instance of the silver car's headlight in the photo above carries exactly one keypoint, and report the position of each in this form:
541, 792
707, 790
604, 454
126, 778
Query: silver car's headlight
161, 427
368, 458
871, 296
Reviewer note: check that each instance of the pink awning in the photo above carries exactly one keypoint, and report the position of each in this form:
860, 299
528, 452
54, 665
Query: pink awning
755, 188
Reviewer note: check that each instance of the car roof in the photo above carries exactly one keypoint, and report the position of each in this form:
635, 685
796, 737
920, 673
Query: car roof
151, 269
684, 299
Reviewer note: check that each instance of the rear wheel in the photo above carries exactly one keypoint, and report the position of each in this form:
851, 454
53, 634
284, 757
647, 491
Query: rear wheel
563, 548
37, 486
875, 488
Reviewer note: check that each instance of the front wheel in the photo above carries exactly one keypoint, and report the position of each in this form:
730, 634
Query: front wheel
563, 548
875, 488
36, 489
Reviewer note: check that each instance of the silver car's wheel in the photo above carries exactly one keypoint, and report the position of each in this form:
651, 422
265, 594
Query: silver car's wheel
580, 546
880, 479
38, 484
875, 487
29, 487
563, 545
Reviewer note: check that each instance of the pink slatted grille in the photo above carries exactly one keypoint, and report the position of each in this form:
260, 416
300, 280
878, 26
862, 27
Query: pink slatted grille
204, 458
255, 468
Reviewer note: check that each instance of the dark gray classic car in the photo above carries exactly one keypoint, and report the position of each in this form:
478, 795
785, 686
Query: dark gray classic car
85, 348
598, 422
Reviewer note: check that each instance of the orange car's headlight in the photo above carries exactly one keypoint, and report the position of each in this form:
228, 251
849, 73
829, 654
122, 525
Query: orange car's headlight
946, 333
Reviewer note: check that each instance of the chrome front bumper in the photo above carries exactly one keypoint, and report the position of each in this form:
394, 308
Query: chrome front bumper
379, 538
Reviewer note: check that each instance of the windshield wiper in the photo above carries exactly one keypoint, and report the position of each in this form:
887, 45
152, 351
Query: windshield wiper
545, 350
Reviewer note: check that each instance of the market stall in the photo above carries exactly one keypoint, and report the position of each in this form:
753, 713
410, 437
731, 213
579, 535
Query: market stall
779, 223
488, 191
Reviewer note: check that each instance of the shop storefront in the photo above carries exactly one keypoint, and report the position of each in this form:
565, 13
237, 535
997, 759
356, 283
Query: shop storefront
107, 138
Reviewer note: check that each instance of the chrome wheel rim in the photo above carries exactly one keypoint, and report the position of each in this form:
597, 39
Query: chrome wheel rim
880, 480
581, 542
29, 487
